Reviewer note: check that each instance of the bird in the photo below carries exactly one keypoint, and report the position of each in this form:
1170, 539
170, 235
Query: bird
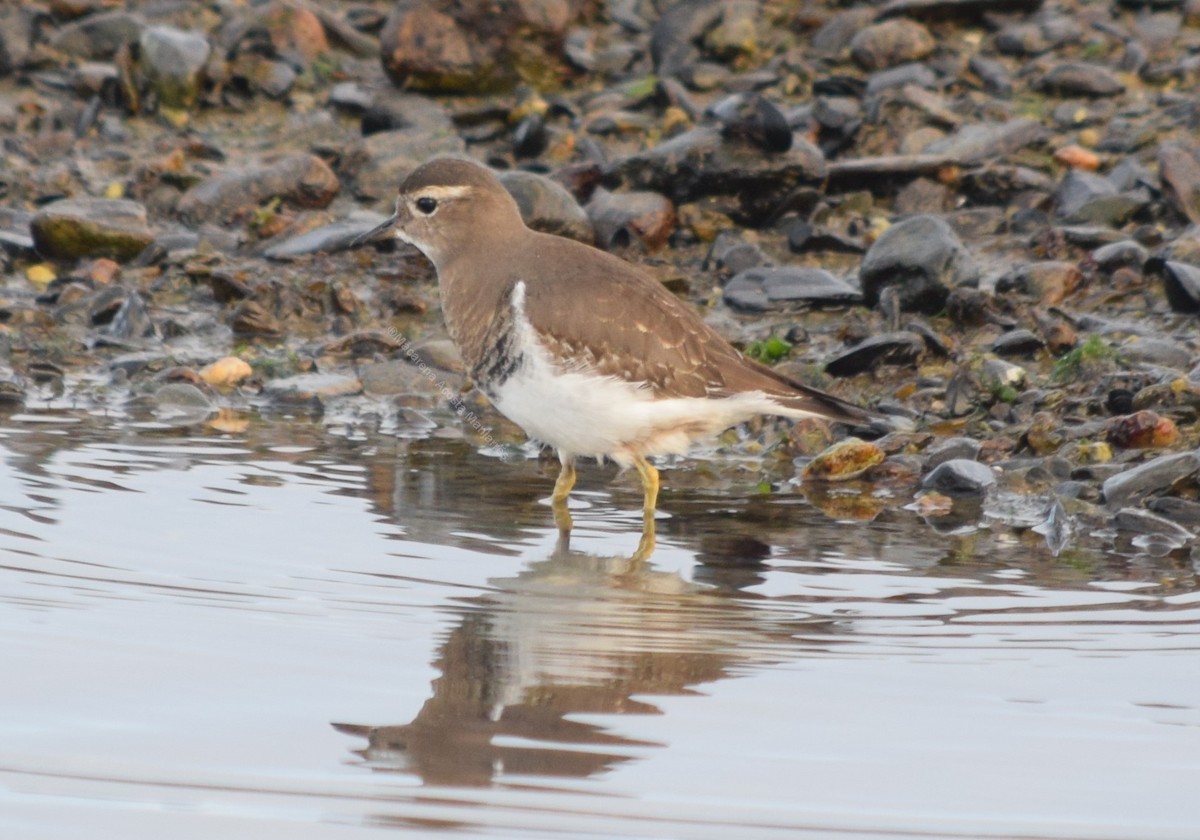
583, 350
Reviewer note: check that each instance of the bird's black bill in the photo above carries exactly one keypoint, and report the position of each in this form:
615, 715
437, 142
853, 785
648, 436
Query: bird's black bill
374, 233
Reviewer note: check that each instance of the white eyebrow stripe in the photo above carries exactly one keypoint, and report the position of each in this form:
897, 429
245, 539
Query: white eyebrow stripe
440, 193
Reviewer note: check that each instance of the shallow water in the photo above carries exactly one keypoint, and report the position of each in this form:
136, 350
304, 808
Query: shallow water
293, 630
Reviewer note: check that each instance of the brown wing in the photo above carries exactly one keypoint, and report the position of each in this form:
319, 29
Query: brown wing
620, 322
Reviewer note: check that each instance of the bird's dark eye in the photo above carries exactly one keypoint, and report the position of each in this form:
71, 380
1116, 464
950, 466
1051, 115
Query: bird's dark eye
426, 204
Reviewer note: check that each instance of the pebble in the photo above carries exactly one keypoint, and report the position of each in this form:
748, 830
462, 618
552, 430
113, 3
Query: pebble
1179, 170
311, 387
891, 42
960, 477
172, 61
1180, 281
845, 460
951, 448
1019, 342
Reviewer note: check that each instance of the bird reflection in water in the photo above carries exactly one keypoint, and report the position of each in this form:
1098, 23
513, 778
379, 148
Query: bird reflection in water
574, 634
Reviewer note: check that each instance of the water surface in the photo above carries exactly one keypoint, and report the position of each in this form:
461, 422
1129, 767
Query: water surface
291, 629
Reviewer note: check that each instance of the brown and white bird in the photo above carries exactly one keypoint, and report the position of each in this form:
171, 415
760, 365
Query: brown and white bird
584, 351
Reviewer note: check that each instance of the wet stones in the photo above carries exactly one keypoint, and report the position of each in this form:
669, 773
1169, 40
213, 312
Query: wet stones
77, 228
761, 289
921, 258
300, 180
1080, 79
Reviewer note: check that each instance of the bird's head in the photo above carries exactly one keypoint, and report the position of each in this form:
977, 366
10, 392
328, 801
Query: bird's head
448, 206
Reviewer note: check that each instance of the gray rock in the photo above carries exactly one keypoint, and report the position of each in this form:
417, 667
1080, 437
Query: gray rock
731, 253
547, 206
1155, 351
132, 321
976, 142
327, 239
392, 155
620, 219
893, 348
76, 228
1088, 198
98, 37
960, 477
899, 76
398, 376
922, 258
1151, 477
395, 111
753, 118
1144, 522
1080, 79
760, 289
992, 73
301, 180
675, 36
950, 449
172, 62
1126, 252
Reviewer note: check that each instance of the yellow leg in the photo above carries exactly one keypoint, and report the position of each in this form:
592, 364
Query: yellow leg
649, 476
562, 489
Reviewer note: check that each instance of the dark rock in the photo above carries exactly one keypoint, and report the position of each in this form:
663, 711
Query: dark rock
1149, 478
1181, 282
1080, 79
702, 162
76, 228
1183, 512
751, 117
803, 237
1017, 343
960, 477
1179, 170
300, 180
760, 289
891, 42
620, 219
547, 206
921, 257
894, 348
529, 138
172, 63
